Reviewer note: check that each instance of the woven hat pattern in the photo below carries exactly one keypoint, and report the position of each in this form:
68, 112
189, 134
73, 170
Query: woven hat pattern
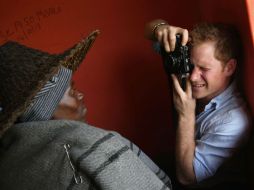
24, 71
74, 56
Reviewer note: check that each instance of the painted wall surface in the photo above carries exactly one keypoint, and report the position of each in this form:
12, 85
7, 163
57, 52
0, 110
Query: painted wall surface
249, 48
250, 8
124, 83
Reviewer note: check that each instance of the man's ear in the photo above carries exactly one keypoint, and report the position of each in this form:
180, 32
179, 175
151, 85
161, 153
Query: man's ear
230, 67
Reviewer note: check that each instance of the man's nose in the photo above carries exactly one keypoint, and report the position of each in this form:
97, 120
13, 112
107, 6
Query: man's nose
195, 74
79, 95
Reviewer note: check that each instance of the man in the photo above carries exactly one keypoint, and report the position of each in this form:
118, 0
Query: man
46, 148
213, 121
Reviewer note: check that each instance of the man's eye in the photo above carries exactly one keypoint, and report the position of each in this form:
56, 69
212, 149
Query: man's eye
205, 69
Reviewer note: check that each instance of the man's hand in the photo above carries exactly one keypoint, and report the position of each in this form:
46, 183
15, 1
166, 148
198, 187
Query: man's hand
166, 35
184, 103
185, 140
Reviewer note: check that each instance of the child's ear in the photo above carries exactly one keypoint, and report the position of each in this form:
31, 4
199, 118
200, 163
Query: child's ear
230, 67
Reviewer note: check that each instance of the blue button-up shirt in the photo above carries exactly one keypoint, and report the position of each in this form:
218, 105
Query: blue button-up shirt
221, 128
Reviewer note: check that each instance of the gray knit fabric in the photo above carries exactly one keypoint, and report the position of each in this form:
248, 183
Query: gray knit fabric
71, 155
145, 159
46, 100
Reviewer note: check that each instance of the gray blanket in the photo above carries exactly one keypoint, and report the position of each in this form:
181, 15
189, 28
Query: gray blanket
73, 155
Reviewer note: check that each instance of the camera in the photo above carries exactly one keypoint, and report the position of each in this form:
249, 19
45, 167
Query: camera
178, 61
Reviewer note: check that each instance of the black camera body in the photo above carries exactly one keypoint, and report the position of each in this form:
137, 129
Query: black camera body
178, 61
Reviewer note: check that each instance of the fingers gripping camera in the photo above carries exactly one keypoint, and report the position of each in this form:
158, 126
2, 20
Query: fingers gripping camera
178, 61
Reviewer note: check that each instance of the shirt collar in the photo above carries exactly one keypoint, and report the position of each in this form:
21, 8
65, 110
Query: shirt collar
218, 100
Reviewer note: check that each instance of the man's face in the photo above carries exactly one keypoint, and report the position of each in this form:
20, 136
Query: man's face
71, 105
209, 76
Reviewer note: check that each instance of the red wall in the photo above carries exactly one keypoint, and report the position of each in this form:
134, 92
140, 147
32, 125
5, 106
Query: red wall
123, 79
